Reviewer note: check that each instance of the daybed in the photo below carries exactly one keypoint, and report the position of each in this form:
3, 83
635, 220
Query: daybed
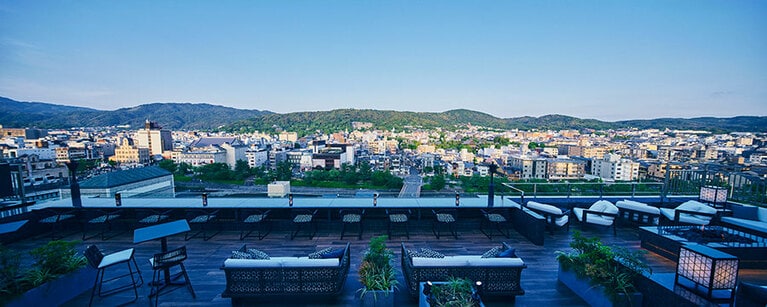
555, 217
601, 213
248, 278
636, 212
690, 212
747, 218
500, 276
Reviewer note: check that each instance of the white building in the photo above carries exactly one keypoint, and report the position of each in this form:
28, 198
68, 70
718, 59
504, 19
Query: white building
155, 138
612, 167
257, 157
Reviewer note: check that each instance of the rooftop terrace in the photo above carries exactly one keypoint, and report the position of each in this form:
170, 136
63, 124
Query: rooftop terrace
539, 279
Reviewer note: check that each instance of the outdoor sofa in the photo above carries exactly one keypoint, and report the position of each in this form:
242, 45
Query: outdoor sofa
747, 218
690, 212
500, 276
288, 276
638, 212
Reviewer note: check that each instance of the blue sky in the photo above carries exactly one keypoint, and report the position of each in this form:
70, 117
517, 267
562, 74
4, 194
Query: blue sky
608, 60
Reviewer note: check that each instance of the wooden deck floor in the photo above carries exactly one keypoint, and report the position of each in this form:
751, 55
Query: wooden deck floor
205, 258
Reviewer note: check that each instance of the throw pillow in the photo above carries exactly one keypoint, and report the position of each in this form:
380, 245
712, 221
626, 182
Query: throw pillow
336, 253
257, 254
745, 212
241, 255
426, 253
509, 253
493, 252
319, 254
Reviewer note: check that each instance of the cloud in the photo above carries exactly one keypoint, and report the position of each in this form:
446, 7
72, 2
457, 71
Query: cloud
721, 94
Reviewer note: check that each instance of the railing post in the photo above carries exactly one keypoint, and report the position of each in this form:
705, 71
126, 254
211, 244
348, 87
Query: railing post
633, 189
569, 190
535, 190
601, 190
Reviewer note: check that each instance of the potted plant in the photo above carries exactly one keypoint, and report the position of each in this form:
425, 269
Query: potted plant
600, 274
377, 274
57, 275
455, 292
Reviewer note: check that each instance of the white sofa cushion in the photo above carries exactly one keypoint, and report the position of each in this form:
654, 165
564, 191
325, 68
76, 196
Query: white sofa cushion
452, 261
750, 224
637, 206
280, 262
593, 218
684, 218
496, 262
253, 263
306, 262
561, 221
544, 207
438, 262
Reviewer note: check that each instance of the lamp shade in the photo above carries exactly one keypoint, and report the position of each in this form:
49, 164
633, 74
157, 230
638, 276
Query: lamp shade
713, 194
707, 267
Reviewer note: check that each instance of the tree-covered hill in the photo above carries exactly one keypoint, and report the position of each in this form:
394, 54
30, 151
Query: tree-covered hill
211, 117
170, 115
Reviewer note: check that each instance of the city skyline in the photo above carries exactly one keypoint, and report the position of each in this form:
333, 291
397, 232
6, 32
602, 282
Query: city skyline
601, 60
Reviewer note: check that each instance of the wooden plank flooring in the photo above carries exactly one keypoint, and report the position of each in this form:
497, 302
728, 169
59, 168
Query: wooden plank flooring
205, 258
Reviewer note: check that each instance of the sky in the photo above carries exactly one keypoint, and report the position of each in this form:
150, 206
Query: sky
607, 60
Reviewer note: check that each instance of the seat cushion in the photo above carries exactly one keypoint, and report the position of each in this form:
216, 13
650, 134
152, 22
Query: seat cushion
202, 218
103, 218
593, 218
544, 207
496, 218
118, 257
637, 206
352, 218
481, 262
398, 218
56, 218
302, 218
562, 221
750, 224
445, 218
684, 218
442, 262
154, 218
255, 218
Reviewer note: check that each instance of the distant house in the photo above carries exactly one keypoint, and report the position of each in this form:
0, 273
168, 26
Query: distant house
134, 182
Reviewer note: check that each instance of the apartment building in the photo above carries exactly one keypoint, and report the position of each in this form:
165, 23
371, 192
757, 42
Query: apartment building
613, 168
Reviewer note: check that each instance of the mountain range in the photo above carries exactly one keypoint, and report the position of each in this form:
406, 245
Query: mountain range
213, 117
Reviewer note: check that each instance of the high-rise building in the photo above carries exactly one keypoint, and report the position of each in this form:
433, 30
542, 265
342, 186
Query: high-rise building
154, 137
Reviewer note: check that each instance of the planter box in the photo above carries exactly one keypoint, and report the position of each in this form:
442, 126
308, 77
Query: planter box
58, 291
378, 298
595, 295
423, 301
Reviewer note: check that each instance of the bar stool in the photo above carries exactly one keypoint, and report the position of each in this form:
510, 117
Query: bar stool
302, 217
254, 220
497, 219
204, 218
444, 218
398, 217
164, 261
351, 216
100, 262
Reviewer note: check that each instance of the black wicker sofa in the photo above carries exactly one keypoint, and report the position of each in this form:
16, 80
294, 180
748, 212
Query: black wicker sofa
288, 276
499, 276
